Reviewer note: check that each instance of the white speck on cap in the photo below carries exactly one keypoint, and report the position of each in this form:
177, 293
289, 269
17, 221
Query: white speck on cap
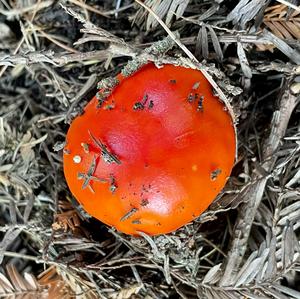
77, 159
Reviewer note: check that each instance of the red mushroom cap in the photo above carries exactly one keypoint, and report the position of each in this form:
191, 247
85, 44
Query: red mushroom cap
154, 154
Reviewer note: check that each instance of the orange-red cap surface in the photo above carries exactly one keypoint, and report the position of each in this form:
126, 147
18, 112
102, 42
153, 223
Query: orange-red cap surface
154, 155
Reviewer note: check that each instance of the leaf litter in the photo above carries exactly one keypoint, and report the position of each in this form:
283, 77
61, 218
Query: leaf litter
51, 56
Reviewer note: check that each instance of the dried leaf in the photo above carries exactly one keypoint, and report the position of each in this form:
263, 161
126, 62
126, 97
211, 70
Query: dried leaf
289, 209
28, 208
275, 294
281, 24
245, 11
167, 269
208, 293
257, 266
250, 259
271, 263
177, 8
216, 43
127, 293
212, 275
293, 54
198, 50
293, 216
17, 280
18, 286
155, 250
33, 142
31, 280
296, 177
209, 12
243, 61
5, 31
55, 284
287, 246
231, 294
6, 285
253, 296
204, 42
286, 290
160, 8
12, 211
8, 238
163, 9
247, 275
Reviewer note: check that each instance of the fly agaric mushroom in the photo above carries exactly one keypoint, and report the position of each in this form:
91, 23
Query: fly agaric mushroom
153, 153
